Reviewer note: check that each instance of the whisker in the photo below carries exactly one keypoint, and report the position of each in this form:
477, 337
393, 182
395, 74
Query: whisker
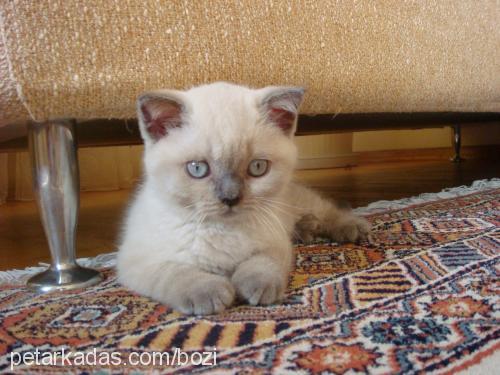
284, 204
276, 218
282, 210
271, 220
263, 220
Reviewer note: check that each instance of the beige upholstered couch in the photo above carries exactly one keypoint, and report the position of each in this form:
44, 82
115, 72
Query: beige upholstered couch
71, 59
90, 59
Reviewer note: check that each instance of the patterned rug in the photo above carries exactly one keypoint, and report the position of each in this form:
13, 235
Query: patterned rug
423, 296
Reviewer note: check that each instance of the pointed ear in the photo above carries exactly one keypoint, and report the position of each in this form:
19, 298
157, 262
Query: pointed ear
281, 106
158, 112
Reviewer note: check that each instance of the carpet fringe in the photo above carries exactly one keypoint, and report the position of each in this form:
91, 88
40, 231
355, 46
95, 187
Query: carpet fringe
477, 186
20, 276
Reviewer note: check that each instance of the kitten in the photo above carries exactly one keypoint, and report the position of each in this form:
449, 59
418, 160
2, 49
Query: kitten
215, 215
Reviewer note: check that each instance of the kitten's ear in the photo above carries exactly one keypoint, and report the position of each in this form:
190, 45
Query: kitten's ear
281, 106
159, 111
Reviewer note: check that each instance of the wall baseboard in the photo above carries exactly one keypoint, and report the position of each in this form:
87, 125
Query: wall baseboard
490, 152
486, 152
336, 161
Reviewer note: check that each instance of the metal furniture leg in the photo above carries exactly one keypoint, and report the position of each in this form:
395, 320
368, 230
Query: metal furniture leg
457, 142
56, 184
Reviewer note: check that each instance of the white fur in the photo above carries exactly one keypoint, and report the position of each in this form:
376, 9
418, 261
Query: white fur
185, 248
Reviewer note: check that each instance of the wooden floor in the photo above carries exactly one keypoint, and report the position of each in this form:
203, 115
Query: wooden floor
22, 242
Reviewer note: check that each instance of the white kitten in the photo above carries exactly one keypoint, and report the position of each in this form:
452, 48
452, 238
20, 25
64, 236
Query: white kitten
216, 213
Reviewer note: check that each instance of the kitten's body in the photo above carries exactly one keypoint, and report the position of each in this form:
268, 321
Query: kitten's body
182, 245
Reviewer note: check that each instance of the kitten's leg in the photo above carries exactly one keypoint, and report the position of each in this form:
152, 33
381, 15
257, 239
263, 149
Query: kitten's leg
306, 228
183, 287
261, 280
320, 216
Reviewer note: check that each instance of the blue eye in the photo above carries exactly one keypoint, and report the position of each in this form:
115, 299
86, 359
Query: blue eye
197, 169
258, 167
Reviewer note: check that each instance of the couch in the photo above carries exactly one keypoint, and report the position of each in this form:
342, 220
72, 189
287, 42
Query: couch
365, 64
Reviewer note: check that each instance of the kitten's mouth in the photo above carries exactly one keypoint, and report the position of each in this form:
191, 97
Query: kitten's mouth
229, 212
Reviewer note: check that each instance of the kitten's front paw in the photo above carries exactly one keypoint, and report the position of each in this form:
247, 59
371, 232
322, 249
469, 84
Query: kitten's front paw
208, 294
350, 228
259, 286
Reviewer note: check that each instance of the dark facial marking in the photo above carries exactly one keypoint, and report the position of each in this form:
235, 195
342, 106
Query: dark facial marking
228, 189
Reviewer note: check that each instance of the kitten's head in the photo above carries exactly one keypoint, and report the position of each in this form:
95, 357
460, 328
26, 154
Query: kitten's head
220, 149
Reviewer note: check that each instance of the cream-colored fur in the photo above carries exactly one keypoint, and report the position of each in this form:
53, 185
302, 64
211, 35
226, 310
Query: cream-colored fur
181, 245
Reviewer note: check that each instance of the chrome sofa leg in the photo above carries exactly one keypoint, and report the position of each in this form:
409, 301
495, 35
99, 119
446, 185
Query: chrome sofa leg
56, 184
457, 143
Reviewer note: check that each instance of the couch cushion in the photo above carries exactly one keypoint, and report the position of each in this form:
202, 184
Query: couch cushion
11, 107
91, 59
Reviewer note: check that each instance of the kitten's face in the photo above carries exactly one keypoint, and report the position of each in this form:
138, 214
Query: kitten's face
220, 150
